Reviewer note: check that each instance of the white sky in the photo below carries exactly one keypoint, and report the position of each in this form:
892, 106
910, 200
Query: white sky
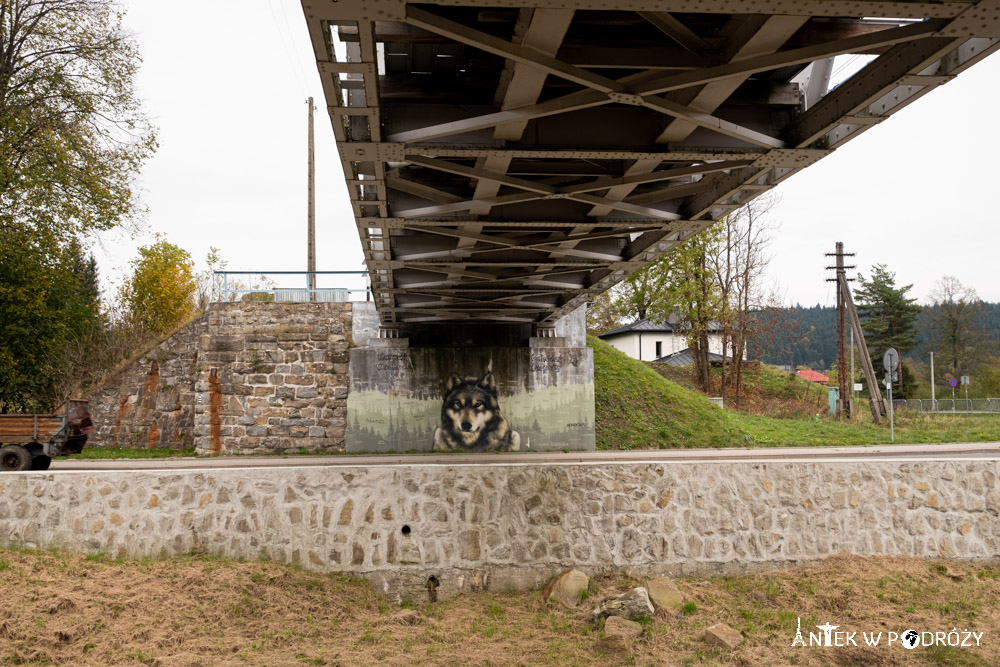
226, 84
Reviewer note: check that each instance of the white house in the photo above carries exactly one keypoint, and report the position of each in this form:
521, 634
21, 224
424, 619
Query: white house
649, 341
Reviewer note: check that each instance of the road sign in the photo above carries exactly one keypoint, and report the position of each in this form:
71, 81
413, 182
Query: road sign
891, 359
965, 379
952, 382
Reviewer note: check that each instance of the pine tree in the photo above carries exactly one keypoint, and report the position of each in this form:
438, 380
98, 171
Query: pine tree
888, 316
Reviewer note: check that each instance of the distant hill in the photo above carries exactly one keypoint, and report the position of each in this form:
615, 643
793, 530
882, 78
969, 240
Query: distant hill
807, 336
797, 336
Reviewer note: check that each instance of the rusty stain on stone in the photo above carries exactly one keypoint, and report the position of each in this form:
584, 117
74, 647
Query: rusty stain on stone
122, 408
215, 410
154, 435
149, 389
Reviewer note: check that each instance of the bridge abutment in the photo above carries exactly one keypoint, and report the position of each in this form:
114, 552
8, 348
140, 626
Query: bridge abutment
259, 377
475, 387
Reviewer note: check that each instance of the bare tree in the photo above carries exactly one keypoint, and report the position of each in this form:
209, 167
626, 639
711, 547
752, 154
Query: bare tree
739, 261
956, 330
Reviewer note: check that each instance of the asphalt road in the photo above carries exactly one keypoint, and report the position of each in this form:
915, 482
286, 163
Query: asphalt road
939, 452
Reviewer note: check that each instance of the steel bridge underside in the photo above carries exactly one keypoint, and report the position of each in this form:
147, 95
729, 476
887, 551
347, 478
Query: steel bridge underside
508, 162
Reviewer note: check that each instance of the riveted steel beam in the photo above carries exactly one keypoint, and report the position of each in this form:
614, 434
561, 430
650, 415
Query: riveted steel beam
504, 178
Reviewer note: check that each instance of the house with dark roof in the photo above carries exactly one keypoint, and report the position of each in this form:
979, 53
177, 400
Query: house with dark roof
686, 358
650, 341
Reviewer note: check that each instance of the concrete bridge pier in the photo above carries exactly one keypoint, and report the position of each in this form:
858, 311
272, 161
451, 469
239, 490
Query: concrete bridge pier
473, 387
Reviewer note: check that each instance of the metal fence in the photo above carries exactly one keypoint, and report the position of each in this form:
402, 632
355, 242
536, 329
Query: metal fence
261, 287
948, 405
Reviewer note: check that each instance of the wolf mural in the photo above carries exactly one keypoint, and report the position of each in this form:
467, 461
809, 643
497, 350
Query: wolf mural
471, 419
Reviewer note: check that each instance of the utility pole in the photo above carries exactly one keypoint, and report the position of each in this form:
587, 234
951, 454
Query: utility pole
845, 301
933, 402
842, 380
876, 403
311, 259
852, 367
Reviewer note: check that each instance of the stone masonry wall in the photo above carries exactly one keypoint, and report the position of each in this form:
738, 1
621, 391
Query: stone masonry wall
273, 378
245, 377
500, 526
151, 403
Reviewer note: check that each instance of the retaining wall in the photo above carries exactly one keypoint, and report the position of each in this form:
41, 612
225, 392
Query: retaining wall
501, 526
246, 377
151, 402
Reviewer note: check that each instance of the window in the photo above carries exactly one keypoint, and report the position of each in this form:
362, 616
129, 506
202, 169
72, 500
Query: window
659, 349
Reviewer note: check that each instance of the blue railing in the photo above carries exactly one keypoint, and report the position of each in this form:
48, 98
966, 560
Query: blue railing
235, 290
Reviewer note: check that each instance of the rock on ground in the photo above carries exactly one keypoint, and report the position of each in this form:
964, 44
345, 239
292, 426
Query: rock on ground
663, 593
632, 605
619, 633
567, 587
721, 634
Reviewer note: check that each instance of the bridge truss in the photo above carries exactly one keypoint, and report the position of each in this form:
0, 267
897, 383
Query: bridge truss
508, 162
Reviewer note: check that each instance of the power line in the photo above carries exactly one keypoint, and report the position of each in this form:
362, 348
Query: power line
303, 89
291, 37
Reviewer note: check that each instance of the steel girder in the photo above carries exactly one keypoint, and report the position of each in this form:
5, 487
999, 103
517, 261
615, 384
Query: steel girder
507, 162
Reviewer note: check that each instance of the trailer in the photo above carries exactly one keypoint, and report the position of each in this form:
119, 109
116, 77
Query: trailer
28, 442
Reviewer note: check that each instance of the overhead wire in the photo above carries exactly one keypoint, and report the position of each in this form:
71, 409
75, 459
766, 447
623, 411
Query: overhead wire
292, 62
291, 37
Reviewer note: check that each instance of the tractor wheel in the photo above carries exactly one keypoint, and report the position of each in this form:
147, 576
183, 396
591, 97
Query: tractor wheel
14, 458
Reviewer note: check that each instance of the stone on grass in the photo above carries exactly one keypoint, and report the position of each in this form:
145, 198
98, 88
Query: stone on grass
663, 593
618, 634
632, 605
567, 587
721, 634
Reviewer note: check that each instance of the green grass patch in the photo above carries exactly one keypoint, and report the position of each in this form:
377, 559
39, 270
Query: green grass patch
637, 407
90, 453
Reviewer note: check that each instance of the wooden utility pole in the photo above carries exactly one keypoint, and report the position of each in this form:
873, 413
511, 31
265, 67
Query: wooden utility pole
876, 402
311, 259
842, 379
847, 312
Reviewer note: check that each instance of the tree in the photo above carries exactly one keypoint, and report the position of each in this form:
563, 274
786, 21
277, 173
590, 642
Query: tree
739, 259
209, 284
72, 130
47, 300
160, 294
643, 291
888, 317
690, 291
603, 314
956, 332
72, 138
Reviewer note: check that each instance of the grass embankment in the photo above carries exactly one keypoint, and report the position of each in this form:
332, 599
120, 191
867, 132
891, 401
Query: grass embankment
75, 610
638, 408
128, 453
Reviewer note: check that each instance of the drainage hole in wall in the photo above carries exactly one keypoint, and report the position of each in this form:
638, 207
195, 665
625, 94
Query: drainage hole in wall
406, 530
